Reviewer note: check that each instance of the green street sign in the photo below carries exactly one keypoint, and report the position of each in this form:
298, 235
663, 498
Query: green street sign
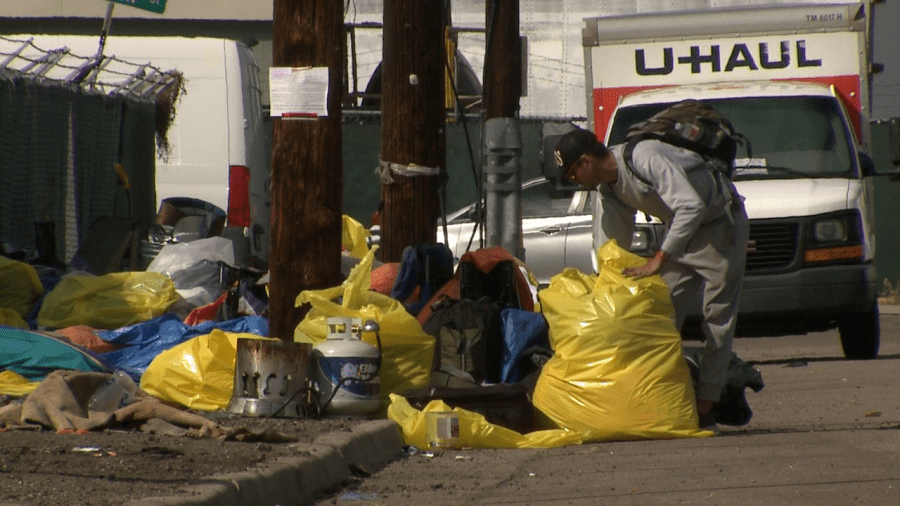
157, 6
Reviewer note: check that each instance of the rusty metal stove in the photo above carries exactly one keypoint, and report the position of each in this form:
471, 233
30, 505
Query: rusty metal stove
272, 378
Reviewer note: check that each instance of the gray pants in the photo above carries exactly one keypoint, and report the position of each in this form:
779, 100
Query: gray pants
713, 268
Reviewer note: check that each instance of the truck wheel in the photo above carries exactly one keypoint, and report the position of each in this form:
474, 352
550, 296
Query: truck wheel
860, 335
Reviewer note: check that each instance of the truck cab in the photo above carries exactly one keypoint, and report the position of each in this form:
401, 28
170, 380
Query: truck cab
810, 259
795, 80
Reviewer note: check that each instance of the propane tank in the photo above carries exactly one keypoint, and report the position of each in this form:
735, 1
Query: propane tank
347, 369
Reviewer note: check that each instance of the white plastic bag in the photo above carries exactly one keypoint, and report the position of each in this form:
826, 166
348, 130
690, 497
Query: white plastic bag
194, 269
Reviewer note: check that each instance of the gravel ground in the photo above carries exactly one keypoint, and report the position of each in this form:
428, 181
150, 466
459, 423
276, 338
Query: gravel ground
40, 467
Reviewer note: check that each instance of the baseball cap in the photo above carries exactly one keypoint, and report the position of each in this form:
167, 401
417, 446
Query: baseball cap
571, 146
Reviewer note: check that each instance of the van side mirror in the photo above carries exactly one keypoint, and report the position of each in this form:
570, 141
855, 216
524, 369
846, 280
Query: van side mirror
475, 212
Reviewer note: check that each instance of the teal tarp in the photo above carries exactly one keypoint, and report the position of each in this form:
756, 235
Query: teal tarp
35, 355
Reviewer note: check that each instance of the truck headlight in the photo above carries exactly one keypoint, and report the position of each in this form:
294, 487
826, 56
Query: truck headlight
640, 241
830, 230
834, 238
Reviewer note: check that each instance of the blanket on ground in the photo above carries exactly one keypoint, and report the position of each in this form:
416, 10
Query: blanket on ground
60, 403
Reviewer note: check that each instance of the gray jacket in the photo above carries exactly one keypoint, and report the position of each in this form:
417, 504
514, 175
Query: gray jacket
673, 184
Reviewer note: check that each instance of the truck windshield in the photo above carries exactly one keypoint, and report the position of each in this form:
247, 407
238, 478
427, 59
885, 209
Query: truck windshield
789, 136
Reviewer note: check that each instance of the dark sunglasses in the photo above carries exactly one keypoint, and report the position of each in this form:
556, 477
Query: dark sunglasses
568, 173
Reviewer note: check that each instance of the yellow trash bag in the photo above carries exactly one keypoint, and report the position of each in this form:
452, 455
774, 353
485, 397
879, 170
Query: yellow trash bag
107, 302
474, 430
11, 318
198, 373
15, 384
407, 350
618, 369
20, 286
354, 237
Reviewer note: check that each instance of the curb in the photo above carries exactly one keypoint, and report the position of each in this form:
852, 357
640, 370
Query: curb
330, 460
892, 309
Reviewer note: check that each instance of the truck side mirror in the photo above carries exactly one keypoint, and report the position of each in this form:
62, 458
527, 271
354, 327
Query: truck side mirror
894, 140
866, 164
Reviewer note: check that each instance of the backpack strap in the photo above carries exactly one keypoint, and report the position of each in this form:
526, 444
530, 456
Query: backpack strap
628, 152
676, 141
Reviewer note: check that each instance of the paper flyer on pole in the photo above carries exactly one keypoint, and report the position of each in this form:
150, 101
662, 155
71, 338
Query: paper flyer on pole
298, 92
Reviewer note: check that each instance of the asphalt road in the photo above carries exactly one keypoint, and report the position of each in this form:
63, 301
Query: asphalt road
825, 431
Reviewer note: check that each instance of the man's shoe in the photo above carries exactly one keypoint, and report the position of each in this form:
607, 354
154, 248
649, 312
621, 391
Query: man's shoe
708, 422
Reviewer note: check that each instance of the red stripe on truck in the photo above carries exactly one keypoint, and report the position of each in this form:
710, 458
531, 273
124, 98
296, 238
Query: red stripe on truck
847, 87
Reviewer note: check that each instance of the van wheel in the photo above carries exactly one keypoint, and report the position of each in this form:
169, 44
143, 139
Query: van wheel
860, 335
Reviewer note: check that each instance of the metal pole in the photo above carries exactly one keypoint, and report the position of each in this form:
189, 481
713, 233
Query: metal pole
502, 137
105, 31
503, 182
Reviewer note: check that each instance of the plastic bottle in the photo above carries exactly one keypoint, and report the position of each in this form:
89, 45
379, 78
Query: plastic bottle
119, 390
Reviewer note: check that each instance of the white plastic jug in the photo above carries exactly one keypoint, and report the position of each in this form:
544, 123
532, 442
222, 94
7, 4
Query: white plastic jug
118, 391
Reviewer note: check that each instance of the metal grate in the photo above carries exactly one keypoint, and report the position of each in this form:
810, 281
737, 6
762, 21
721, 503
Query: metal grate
102, 74
776, 245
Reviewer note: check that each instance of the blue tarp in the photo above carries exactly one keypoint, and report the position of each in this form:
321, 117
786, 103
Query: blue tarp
521, 330
142, 342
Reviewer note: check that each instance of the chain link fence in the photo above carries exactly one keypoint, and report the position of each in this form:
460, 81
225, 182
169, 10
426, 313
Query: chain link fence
77, 137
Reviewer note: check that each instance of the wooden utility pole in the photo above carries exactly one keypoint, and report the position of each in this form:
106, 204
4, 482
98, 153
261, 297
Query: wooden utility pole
307, 166
503, 139
502, 60
413, 143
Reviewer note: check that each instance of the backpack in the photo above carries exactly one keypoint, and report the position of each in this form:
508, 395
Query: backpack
498, 284
692, 125
468, 337
466, 323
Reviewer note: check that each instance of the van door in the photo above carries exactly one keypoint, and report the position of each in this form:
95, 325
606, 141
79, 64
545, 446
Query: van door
253, 165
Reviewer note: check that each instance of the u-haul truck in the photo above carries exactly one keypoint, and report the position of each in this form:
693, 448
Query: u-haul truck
795, 80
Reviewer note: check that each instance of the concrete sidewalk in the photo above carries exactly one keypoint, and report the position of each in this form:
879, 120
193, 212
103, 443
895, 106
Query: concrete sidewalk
325, 464
336, 457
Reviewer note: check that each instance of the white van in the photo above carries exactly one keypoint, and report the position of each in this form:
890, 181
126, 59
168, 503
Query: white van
218, 149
